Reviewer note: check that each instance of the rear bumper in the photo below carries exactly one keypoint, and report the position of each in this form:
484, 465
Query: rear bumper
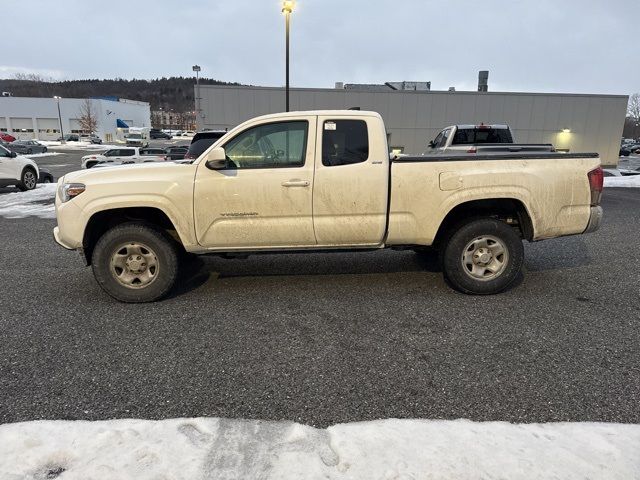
595, 219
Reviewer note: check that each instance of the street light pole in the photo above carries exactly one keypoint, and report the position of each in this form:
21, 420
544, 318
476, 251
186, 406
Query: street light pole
287, 8
196, 68
60, 119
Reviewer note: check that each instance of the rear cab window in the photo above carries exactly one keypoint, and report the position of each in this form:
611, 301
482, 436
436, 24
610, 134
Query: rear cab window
470, 136
344, 142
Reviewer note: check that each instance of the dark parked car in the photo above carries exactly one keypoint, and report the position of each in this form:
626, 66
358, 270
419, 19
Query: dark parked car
45, 176
72, 137
27, 147
201, 141
155, 133
177, 152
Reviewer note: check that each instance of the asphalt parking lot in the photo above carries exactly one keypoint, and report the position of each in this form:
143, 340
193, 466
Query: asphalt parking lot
326, 338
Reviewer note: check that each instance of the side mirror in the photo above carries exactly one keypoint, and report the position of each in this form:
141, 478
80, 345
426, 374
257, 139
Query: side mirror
14, 154
432, 144
216, 159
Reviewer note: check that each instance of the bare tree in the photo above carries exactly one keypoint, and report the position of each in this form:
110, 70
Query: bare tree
87, 117
633, 107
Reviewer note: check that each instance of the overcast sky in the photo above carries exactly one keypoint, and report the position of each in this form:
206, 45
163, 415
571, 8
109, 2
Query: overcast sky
580, 46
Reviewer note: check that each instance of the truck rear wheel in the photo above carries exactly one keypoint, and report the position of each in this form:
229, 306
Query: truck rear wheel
135, 263
482, 257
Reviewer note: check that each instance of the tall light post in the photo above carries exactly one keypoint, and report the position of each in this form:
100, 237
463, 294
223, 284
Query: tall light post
287, 8
196, 68
60, 118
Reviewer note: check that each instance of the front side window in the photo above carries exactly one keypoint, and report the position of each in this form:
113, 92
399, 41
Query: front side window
344, 142
445, 137
273, 145
111, 153
4, 152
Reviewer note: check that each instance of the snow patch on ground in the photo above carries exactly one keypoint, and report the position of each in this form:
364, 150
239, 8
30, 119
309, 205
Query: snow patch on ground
77, 145
631, 181
39, 155
32, 203
378, 450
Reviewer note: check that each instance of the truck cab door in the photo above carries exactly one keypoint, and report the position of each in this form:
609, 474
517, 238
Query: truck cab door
351, 184
262, 198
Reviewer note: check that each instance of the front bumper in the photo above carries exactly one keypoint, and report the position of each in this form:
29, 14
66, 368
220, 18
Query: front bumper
595, 219
56, 237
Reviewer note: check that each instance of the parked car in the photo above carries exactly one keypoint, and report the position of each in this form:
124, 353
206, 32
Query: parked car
154, 133
177, 152
201, 141
121, 156
296, 182
27, 147
17, 170
71, 137
45, 176
6, 137
91, 138
633, 148
480, 139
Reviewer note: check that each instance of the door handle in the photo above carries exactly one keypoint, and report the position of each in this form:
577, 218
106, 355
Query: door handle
295, 183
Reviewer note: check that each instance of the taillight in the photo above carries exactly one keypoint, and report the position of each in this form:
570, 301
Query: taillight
596, 182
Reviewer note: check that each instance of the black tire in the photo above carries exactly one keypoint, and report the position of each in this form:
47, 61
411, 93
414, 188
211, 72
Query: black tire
161, 245
463, 240
91, 164
28, 179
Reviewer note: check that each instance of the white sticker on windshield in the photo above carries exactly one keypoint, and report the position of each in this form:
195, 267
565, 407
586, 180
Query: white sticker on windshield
329, 125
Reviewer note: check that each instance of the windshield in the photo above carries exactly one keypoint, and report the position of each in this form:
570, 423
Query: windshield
135, 135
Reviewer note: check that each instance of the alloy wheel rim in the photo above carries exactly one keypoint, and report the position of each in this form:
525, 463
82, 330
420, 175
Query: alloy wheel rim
485, 258
134, 265
29, 180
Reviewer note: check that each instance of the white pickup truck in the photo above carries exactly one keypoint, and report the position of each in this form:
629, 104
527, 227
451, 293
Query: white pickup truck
123, 156
474, 139
322, 180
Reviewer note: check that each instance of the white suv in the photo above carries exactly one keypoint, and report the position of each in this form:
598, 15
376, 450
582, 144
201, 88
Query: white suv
17, 170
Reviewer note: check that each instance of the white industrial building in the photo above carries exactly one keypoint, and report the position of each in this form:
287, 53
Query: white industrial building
38, 118
572, 122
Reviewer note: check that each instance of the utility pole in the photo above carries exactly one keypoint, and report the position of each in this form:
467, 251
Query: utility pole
287, 8
196, 68
60, 119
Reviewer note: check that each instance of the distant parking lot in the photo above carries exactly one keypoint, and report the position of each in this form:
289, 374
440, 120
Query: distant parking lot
326, 338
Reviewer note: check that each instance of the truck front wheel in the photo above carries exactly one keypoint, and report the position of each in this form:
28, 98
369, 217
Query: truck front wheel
482, 257
135, 263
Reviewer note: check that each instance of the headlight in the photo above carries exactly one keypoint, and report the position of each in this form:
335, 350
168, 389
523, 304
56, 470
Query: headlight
67, 191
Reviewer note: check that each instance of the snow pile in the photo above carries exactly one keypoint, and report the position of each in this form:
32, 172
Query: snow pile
77, 145
386, 449
45, 154
632, 181
32, 203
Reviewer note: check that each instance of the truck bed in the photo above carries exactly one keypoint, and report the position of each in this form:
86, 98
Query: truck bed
553, 187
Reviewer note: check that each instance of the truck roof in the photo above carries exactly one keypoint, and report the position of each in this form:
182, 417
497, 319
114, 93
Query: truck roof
495, 126
360, 113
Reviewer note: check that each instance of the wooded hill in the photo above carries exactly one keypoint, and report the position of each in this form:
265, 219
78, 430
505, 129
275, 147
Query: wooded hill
172, 92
